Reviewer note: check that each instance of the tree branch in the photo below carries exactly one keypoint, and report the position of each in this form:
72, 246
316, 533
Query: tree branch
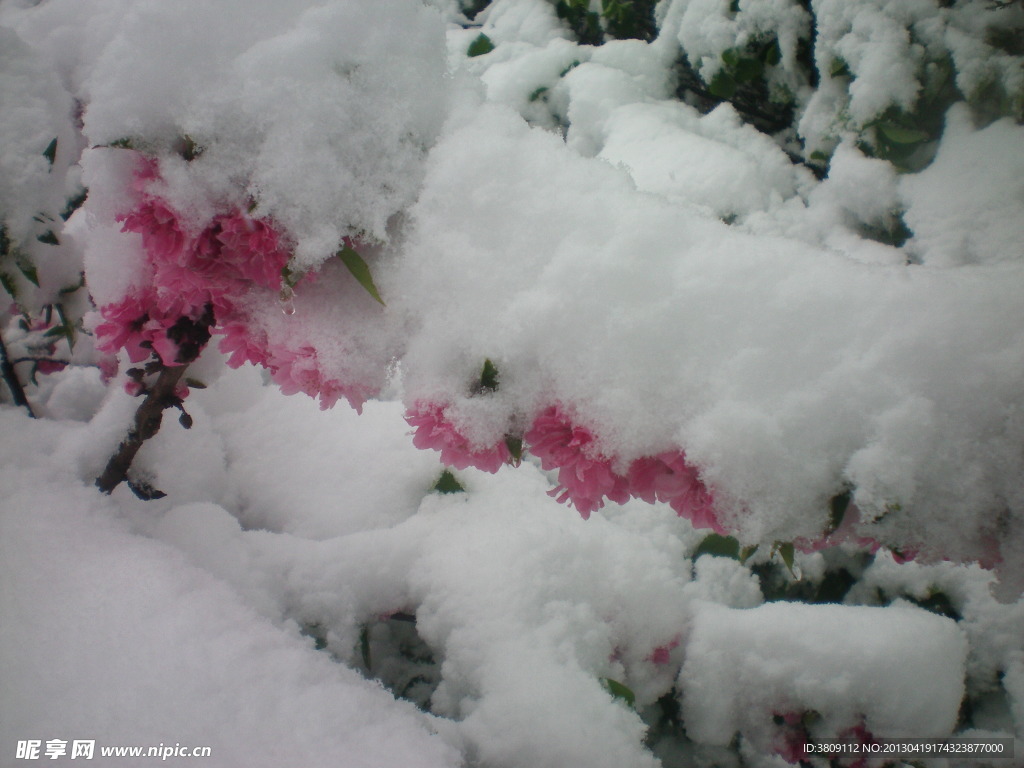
148, 418
10, 377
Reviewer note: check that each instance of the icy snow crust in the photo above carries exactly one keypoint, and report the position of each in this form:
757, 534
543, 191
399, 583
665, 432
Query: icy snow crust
669, 277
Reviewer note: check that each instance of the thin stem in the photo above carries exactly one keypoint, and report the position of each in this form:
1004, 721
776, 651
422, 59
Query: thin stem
148, 418
10, 377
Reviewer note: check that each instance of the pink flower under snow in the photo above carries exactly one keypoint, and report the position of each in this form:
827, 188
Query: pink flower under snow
300, 371
791, 740
50, 366
663, 653
242, 346
163, 237
139, 326
846, 533
123, 327
668, 478
252, 248
435, 431
585, 474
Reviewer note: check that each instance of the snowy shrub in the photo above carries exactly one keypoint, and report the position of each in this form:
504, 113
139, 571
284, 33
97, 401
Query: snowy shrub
40, 276
739, 282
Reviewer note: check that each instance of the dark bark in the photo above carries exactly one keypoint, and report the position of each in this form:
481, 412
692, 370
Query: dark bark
10, 377
190, 336
148, 418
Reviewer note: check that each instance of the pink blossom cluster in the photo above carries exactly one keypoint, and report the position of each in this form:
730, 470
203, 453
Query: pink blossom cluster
293, 370
190, 273
668, 478
844, 533
586, 474
201, 276
435, 430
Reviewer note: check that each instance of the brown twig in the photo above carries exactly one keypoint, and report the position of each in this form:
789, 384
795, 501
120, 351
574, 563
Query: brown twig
10, 377
148, 418
190, 336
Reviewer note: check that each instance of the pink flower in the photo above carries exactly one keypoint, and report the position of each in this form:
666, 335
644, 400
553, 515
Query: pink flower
108, 367
242, 346
123, 328
662, 654
163, 237
585, 474
668, 478
435, 431
295, 371
50, 366
845, 533
198, 281
252, 248
163, 346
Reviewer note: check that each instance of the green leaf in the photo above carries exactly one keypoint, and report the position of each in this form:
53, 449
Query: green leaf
7, 281
194, 383
897, 134
515, 449
69, 327
570, 68
488, 377
50, 153
837, 506
839, 68
773, 54
289, 277
74, 287
122, 143
731, 57
66, 328
721, 546
723, 85
619, 691
747, 552
73, 204
187, 148
748, 69
28, 270
787, 553
364, 645
448, 483
480, 46
48, 237
538, 93
360, 271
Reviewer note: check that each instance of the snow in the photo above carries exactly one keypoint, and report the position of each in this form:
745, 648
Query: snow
525, 605
111, 636
670, 150
901, 669
963, 207
611, 293
274, 94
667, 276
